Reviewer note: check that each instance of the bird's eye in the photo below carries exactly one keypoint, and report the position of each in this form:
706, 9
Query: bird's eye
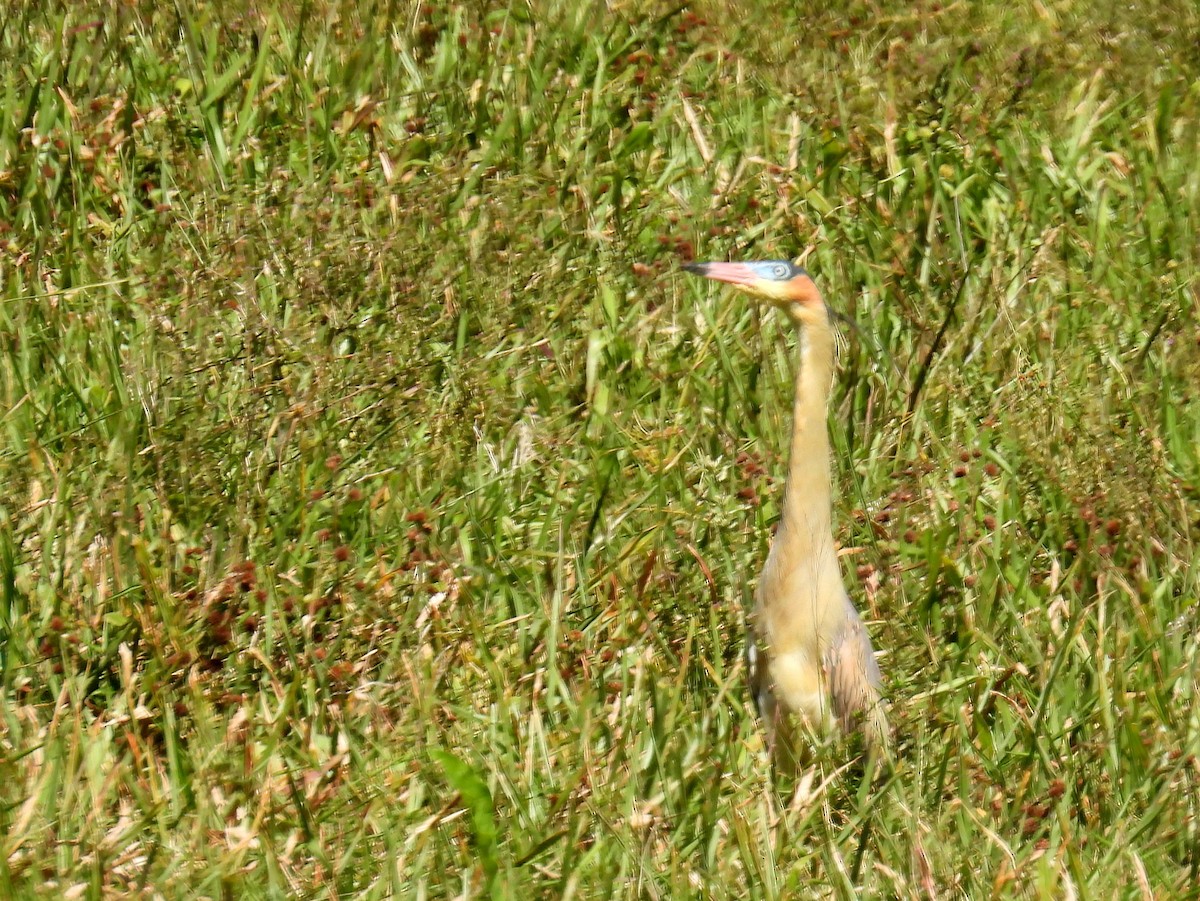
779, 270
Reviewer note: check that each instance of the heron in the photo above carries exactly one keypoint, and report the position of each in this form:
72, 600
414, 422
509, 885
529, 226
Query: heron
808, 654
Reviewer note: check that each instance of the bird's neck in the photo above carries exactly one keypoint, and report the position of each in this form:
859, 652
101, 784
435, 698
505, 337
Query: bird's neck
806, 527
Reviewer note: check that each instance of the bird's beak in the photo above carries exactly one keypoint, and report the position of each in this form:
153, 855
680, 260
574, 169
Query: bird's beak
732, 273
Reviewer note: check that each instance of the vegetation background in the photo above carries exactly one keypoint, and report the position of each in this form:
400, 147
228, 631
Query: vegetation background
379, 501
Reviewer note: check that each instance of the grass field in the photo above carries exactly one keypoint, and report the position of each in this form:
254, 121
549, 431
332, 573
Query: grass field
380, 502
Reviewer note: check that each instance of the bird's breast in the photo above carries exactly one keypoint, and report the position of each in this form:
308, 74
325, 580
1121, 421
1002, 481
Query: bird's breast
800, 607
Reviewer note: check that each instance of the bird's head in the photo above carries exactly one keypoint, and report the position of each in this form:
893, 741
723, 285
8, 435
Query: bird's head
778, 282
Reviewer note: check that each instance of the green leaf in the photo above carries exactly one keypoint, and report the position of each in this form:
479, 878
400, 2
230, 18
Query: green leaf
473, 790
639, 138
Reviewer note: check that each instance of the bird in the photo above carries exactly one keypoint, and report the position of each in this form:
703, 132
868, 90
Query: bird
808, 654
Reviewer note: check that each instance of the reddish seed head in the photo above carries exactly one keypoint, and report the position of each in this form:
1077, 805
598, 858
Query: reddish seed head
989, 522
1113, 528
992, 470
910, 536
960, 472
342, 553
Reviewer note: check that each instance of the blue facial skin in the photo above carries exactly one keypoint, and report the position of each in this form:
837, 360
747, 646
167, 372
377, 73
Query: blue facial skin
768, 270
776, 270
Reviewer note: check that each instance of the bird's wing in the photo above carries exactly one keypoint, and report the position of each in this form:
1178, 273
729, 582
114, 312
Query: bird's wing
854, 680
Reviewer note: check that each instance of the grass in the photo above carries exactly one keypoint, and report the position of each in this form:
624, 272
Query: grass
379, 501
